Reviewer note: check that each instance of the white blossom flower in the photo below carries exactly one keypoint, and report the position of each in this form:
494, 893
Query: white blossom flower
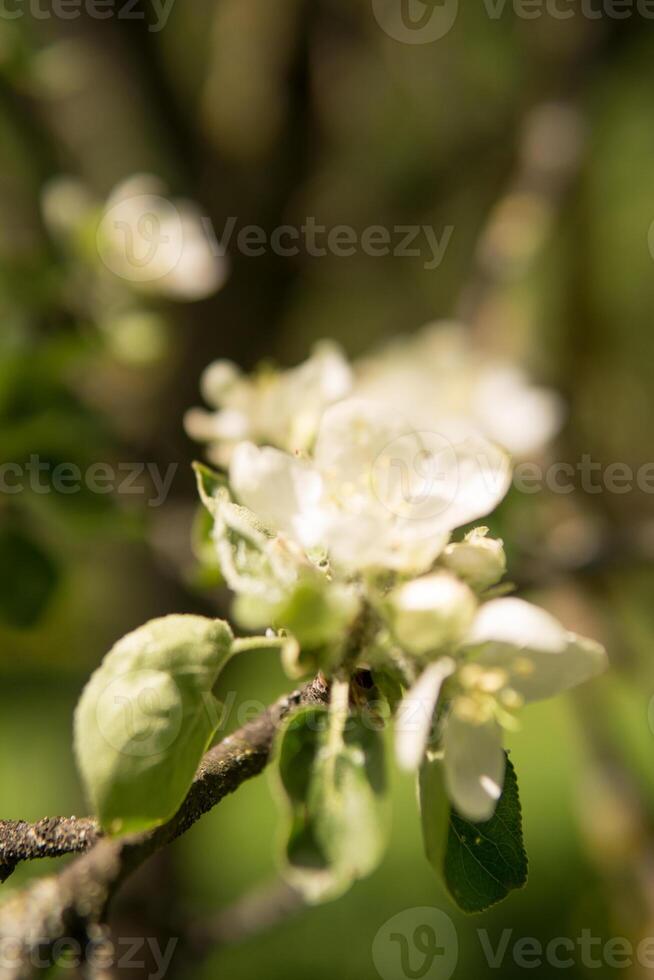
479, 559
355, 499
440, 374
513, 653
275, 408
335, 526
431, 612
158, 245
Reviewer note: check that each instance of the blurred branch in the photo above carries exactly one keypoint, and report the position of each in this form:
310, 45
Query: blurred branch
75, 902
257, 912
551, 143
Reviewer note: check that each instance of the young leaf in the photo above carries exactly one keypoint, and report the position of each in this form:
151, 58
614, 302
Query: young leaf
206, 573
209, 483
480, 863
389, 685
244, 550
336, 796
146, 717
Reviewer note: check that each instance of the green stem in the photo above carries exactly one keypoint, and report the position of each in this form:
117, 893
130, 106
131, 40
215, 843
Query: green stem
339, 709
246, 643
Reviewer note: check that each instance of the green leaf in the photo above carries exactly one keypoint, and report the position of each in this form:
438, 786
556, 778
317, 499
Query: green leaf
28, 579
249, 558
389, 685
147, 716
254, 561
206, 574
209, 484
335, 791
480, 862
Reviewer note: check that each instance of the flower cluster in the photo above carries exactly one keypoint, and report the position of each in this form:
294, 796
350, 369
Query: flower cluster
275, 408
435, 377
335, 523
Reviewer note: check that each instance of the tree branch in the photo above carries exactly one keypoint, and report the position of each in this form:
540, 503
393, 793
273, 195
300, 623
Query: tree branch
254, 913
74, 902
52, 837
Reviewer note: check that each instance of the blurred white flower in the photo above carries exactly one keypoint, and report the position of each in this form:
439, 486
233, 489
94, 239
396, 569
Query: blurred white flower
440, 374
158, 245
66, 204
514, 653
337, 502
277, 408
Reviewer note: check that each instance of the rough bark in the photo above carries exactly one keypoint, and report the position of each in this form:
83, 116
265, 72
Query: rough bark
74, 902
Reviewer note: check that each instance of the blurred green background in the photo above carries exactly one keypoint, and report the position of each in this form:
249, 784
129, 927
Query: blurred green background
272, 112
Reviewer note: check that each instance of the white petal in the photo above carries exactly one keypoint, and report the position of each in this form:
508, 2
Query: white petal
520, 416
292, 407
197, 270
228, 424
474, 766
281, 490
412, 547
440, 479
374, 539
217, 379
415, 712
326, 373
352, 435
518, 623
479, 481
541, 657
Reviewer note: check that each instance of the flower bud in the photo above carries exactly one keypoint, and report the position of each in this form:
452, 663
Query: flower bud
478, 560
431, 612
